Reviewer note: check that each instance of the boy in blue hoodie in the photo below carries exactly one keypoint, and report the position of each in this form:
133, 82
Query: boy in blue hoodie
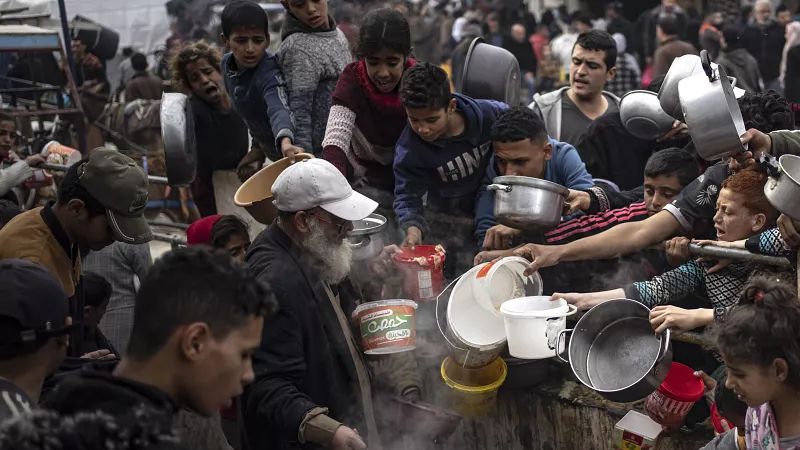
254, 80
522, 148
443, 151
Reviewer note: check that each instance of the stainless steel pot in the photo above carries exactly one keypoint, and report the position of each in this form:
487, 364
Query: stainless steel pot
177, 130
527, 203
491, 72
783, 187
711, 112
614, 351
641, 114
681, 67
366, 239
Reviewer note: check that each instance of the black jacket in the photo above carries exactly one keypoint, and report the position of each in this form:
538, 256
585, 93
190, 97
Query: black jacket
524, 54
739, 63
94, 388
766, 44
304, 361
792, 80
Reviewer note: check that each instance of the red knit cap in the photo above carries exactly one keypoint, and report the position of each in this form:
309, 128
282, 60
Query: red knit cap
199, 232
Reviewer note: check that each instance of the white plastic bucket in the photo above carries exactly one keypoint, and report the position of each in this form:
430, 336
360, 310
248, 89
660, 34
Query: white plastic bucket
532, 326
502, 280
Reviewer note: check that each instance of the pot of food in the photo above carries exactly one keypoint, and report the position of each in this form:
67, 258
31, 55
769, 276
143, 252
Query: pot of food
641, 114
366, 238
711, 112
177, 131
783, 187
527, 203
613, 350
491, 72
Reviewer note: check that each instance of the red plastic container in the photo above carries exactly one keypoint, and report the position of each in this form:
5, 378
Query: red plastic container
423, 271
670, 404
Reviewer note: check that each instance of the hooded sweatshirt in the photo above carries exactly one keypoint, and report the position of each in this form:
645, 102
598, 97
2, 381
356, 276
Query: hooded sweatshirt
94, 388
312, 61
564, 167
449, 170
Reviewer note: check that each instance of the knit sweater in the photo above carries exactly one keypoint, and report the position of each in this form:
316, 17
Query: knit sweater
363, 127
312, 61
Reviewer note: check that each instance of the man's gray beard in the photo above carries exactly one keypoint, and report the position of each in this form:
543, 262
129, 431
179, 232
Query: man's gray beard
335, 257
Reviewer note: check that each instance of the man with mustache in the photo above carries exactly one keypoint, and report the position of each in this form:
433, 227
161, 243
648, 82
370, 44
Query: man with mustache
568, 112
312, 386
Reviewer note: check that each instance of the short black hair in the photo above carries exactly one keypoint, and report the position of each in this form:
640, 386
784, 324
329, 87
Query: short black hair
518, 123
671, 161
669, 24
425, 86
244, 13
766, 111
139, 62
8, 210
226, 227
728, 403
582, 17
96, 289
599, 40
6, 116
384, 28
71, 189
194, 284
127, 51
732, 35
781, 8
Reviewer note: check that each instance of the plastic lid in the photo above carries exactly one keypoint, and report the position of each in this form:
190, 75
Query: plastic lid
424, 255
681, 384
640, 424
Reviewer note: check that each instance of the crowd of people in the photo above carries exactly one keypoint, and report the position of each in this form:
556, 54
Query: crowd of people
246, 342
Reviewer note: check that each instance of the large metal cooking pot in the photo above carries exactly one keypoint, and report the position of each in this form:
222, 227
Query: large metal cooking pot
641, 114
783, 187
99, 40
711, 112
681, 67
614, 351
527, 203
177, 130
491, 72
366, 239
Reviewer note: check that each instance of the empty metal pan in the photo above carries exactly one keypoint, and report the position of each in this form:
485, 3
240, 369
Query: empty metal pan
642, 115
491, 73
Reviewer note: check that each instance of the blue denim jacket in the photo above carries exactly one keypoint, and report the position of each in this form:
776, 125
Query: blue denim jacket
259, 96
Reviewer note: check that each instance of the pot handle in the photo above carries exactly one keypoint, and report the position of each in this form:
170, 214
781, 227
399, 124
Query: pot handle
662, 352
571, 309
705, 61
361, 244
499, 187
558, 343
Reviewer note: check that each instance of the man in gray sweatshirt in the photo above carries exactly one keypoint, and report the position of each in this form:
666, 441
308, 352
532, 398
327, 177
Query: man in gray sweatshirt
313, 53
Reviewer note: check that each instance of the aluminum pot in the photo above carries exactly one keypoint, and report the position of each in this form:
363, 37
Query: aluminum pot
711, 112
490, 72
527, 203
641, 114
783, 187
367, 239
177, 130
681, 67
613, 350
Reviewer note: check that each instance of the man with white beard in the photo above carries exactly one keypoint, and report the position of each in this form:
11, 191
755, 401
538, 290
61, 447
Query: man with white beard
312, 386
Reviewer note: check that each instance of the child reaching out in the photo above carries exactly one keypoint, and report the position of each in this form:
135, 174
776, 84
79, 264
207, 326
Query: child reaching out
742, 211
760, 344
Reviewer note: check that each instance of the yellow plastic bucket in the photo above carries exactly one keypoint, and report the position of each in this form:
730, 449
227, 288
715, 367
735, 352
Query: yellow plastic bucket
473, 391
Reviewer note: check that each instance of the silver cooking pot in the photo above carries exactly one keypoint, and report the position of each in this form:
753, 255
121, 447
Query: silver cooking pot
614, 351
490, 72
681, 67
367, 239
527, 203
177, 131
641, 114
783, 187
711, 112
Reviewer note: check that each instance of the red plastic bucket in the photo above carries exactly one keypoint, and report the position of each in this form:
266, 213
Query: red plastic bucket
670, 404
423, 271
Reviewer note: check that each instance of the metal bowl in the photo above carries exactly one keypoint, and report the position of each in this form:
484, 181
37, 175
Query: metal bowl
366, 239
642, 115
528, 203
491, 73
177, 130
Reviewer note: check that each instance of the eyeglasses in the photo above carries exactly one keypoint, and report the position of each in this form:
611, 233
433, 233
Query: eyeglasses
341, 225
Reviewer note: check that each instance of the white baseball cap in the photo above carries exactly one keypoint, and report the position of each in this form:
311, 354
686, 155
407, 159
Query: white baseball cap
315, 183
